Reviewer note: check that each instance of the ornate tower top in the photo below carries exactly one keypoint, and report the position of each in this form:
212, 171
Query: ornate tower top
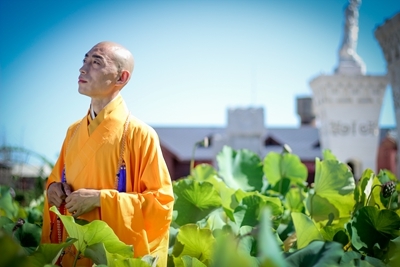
350, 62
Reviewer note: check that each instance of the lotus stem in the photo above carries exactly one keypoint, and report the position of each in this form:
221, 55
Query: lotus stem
203, 143
192, 160
311, 205
347, 246
76, 258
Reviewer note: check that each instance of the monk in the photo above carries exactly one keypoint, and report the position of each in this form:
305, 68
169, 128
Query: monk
111, 167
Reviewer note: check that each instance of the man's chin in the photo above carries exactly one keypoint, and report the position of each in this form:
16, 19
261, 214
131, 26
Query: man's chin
82, 92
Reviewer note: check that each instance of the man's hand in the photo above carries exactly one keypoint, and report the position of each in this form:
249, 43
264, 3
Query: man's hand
57, 193
82, 201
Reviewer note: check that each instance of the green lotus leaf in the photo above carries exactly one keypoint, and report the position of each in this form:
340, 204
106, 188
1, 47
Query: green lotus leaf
12, 253
371, 226
295, 199
228, 200
29, 236
329, 232
333, 176
99, 255
94, 232
249, 237
390, 175
363, 189
128, 262
216, 220
239, 195
247, 241
342, 237
282, 187
328, 155
240, 169
354, 258
393, 255
8, 207
239, 215
5, 221
194, 242
228, 253
34, 215
286, 165
192, 262
335, 184
194, 200
48, 253
270, 253
249, 210
272, 168
204, 172
150, 260
317, 253
306, 230
321, 208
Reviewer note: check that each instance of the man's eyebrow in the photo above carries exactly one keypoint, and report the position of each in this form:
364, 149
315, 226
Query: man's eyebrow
95, 56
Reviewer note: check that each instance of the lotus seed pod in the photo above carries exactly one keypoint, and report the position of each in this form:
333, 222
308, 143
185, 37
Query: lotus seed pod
388, 189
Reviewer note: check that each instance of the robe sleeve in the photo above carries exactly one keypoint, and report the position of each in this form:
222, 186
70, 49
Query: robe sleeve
55, 176
142, 216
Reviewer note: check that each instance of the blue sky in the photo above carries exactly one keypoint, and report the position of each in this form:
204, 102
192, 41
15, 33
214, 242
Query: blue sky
193, 59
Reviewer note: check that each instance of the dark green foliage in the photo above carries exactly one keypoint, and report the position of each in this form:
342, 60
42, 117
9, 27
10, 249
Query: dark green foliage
251, 212
317, 254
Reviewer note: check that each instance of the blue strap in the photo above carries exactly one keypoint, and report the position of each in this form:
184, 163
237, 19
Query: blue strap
122, 178
63, 178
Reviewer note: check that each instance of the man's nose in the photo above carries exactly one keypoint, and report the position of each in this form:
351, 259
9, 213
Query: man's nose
82, 70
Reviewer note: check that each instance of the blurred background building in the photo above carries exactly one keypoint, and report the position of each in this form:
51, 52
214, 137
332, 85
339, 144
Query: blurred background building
341, 115
388, 35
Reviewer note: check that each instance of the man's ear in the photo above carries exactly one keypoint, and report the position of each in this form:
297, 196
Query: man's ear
124, 77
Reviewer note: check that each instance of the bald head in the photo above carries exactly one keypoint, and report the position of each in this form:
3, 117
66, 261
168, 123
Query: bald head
121, 56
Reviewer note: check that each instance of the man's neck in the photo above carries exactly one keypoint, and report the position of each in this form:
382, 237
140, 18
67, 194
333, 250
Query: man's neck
97, 104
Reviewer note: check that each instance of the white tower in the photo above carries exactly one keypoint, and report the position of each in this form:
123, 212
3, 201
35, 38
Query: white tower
348, 103
388, 36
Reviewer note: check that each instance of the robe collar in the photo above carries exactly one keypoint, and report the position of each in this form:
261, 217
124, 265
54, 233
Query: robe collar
94, 122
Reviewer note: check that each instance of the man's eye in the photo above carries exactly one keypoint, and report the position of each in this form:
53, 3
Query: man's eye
84, 60
96, 62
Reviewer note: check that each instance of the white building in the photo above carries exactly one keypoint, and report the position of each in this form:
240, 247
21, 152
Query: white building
348, 103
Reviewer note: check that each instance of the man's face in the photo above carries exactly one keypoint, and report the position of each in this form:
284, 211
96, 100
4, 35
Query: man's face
99, 73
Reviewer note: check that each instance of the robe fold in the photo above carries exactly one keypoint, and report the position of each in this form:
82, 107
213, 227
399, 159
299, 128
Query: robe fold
140, 216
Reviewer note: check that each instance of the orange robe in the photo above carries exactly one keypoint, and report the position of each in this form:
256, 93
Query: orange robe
140, 217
